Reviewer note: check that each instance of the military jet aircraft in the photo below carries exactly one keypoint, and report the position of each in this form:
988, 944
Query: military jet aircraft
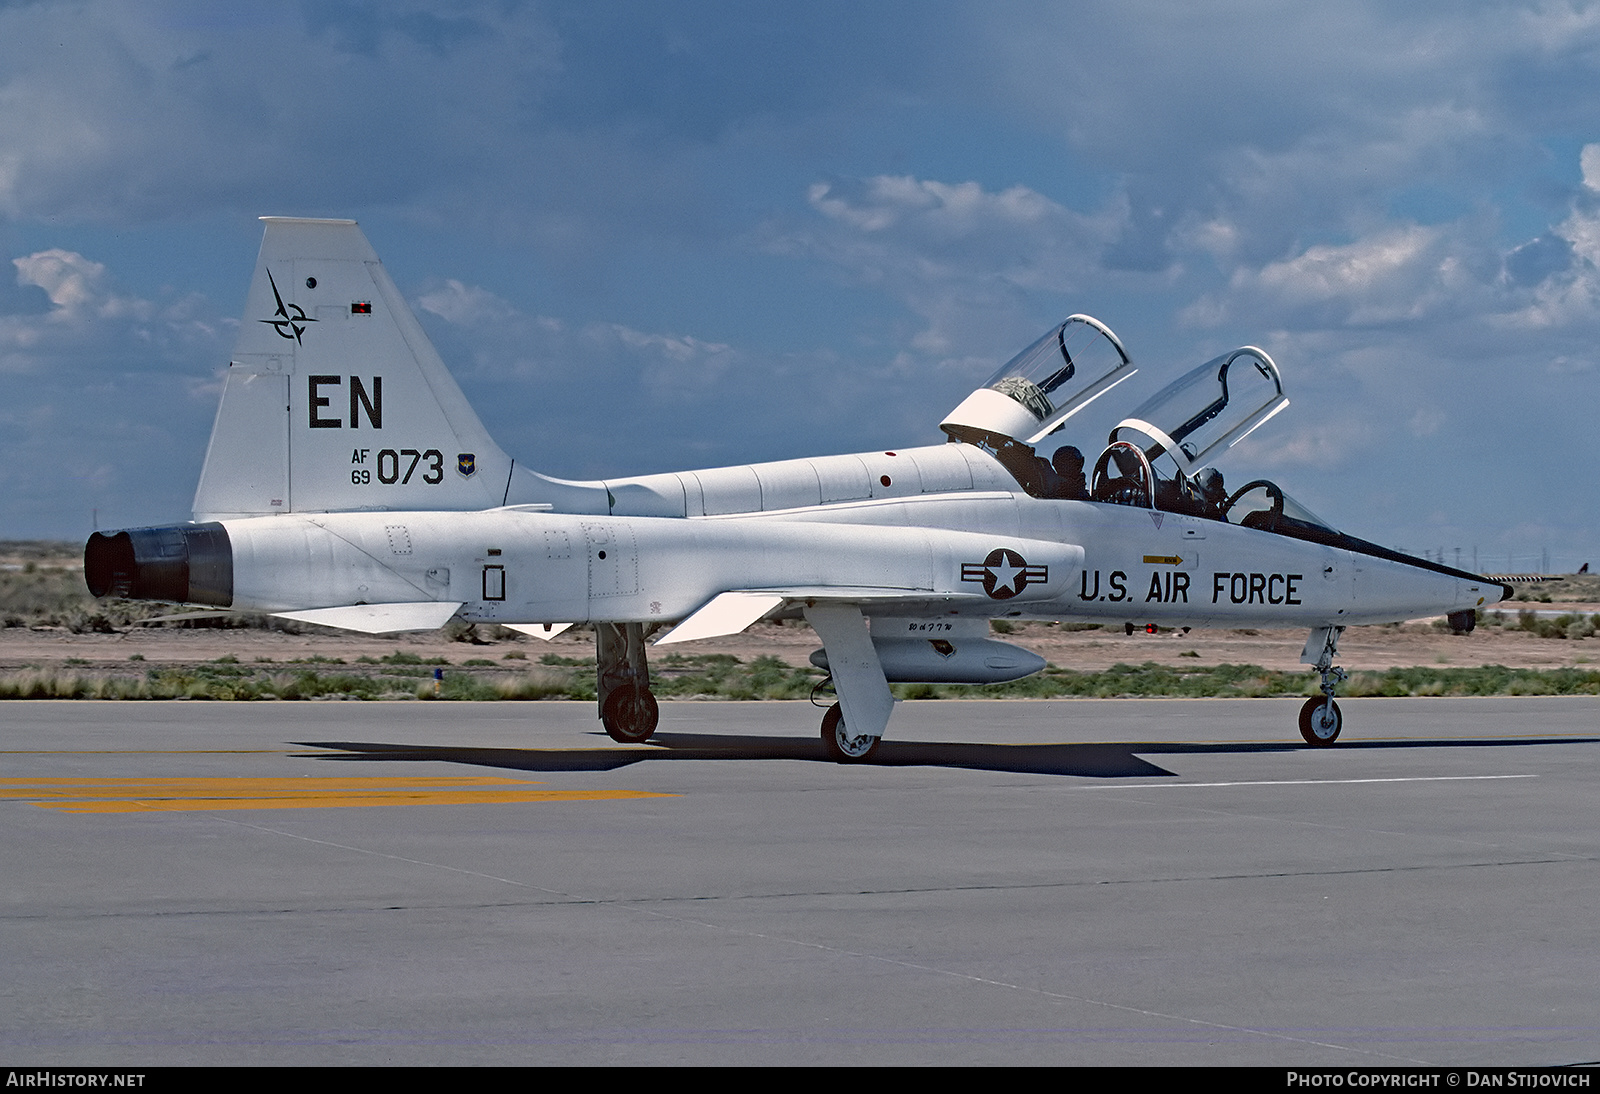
348, 483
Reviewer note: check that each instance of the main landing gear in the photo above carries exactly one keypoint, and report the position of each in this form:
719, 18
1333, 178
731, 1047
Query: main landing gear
627, 708
857, 675
844, 746
1320, 718
630, 714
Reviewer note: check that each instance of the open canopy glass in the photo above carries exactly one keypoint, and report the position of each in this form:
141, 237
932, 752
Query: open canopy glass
1207, 410
1044, 385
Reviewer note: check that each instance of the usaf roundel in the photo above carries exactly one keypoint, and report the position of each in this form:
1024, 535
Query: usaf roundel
1004, 573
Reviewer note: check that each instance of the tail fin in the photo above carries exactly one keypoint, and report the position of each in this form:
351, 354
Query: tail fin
335, 398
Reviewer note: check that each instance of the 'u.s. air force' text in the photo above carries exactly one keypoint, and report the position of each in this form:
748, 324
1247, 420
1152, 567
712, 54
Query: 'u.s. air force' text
1172, 587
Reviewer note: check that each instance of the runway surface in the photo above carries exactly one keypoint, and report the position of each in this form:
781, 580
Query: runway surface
1069, 882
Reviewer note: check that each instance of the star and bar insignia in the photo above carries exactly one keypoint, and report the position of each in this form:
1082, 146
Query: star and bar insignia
1004, 573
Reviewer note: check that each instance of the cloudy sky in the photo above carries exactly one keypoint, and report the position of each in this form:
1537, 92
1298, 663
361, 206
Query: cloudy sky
649, 236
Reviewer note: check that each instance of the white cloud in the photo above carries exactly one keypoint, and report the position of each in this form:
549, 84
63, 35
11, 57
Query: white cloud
1427, 421
92, 328
1297, 445
943, 211
1398, 274
1589, 161
77, 287
1293, 126
606, 398
973, 264
137, 111
1566, 296
1356, 270
465, 305
110, 398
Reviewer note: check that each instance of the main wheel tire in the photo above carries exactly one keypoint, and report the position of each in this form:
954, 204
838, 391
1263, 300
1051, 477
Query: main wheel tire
1316, 729
630, 714
843, 746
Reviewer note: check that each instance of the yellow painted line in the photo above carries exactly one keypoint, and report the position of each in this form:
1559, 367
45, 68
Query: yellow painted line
338, 802
151, 752
292, 784
158, 795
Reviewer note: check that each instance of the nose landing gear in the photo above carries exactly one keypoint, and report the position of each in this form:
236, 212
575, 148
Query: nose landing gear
1320, 718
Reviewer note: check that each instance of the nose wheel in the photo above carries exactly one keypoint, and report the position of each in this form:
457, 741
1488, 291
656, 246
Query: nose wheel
843, 746
1320, 720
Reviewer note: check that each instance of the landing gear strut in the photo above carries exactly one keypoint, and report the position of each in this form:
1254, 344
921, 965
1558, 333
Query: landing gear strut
1320, 718
627, 707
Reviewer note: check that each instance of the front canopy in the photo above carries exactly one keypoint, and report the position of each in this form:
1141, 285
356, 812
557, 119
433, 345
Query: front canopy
1201, 414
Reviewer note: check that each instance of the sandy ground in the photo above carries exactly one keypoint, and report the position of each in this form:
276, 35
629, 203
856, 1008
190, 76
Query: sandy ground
1362, 647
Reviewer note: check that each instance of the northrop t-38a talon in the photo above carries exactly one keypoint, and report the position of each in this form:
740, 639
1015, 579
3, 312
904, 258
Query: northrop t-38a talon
348, 483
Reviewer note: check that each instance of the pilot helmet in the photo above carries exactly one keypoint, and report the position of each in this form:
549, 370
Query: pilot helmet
1208, 480
1067, 459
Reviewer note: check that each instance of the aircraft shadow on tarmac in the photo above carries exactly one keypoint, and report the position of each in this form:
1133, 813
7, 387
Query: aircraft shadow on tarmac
1106, 760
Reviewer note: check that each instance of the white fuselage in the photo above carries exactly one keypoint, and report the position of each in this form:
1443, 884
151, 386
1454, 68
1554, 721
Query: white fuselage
909, 530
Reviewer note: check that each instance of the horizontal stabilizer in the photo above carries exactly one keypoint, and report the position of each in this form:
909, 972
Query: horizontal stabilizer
545, 631
380, 618
725, 613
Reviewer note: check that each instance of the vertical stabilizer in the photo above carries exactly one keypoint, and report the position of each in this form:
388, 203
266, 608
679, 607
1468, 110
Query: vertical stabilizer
335, 398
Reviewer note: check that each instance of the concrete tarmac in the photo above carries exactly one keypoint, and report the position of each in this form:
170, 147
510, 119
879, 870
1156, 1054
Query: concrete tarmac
1061, 882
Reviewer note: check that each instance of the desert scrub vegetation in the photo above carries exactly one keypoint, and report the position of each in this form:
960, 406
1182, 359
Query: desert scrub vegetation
41, 586
1572, 626
225, 681
722, 676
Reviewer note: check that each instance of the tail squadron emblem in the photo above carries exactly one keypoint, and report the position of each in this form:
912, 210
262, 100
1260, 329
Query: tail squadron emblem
286, 324
466, 463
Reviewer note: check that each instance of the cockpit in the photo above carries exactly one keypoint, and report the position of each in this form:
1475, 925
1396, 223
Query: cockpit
1162, 456
1033, 395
